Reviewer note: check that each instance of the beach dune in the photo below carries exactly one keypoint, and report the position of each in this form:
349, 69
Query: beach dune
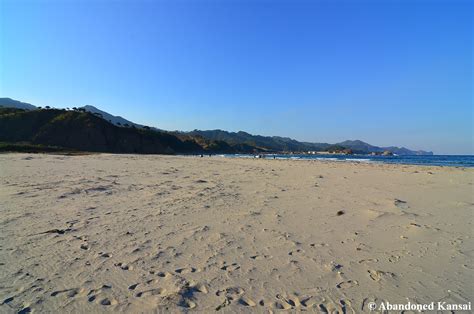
145, 233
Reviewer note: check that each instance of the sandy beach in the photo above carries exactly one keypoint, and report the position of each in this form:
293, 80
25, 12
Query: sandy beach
136, 233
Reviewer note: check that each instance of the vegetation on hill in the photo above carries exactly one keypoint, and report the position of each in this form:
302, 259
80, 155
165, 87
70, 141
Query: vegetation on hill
262, 143
23, 147
338, 149
84, 131
11, 103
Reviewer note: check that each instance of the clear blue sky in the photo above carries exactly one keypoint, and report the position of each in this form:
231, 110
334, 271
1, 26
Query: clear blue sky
386, 72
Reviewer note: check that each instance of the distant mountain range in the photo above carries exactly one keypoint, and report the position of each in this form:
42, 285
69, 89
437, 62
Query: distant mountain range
264, 143
277, 143
11, 103
359, 146
91, 129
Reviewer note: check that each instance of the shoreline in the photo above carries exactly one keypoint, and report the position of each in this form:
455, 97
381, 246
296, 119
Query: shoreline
300, 157
328, 160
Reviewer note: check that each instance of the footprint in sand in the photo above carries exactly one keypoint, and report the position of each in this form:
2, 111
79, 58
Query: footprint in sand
124, 266
343, 306
151, 292
93, 296
230, 294
298, 251
25, 310
188, 304
199, 287
281, 305
69, 292
225, 303
57, 231
347, 284
7, 300
401, 204
184, 294
161, 274
231, 267
108, 301
333, 266
311, 301
377, 275
246, 302
368, 260
313, 245
261, 257
287, 302
186, 270
394, 258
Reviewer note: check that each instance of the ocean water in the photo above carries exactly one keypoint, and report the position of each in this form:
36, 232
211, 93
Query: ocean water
434, 160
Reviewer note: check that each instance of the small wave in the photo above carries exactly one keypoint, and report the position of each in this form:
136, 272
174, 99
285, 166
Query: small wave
360, 160
244, 156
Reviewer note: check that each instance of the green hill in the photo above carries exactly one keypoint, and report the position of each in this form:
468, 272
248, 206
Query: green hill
84, 131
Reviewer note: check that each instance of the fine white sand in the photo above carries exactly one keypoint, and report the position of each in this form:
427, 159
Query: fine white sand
134, 233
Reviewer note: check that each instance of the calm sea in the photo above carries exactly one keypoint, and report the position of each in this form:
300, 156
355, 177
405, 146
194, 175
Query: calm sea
435, 160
